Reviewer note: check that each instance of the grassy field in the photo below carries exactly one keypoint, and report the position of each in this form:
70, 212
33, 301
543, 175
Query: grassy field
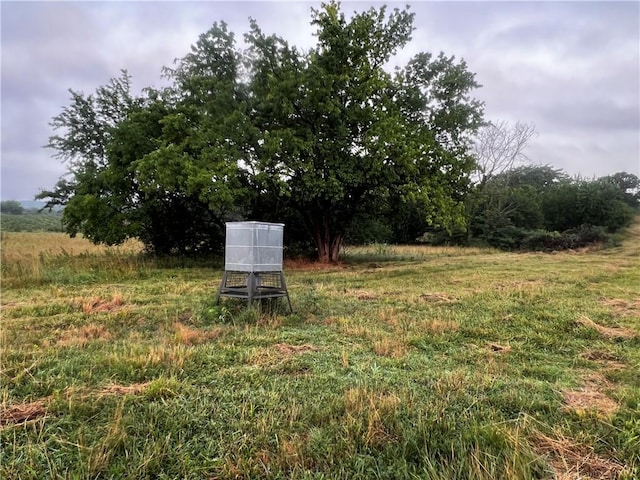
424, 363
31, 222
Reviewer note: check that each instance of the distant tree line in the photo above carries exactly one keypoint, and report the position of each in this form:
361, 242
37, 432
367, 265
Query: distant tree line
537, 207
12, 207
14, 217
529, 207
327, 141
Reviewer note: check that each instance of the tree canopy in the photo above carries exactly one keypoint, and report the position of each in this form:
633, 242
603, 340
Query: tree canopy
12, 207
321, 135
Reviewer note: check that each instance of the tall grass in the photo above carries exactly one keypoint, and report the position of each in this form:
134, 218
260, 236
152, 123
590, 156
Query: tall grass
400, 362
37, 257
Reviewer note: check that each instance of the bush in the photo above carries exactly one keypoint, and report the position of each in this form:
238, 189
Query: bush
11, 206
575, 238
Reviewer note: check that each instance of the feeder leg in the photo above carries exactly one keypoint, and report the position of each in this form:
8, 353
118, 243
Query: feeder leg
286, 292
222, 284
251, 285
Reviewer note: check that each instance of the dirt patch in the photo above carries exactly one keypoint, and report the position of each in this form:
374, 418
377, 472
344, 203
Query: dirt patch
293, 349
606, 359
609, 332
590, 397
22, 413
573, 461
101, 305
79, 337
497, 348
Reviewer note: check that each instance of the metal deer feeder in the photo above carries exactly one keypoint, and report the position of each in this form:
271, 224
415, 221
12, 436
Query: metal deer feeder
253, 262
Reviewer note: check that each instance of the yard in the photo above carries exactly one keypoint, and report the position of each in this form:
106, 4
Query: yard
399, 362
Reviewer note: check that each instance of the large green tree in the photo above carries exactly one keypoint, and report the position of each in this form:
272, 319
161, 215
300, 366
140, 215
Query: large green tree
94, 194
161, 167
340, 132
329, 133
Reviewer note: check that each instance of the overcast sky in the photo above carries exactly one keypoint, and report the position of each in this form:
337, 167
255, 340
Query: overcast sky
572, 69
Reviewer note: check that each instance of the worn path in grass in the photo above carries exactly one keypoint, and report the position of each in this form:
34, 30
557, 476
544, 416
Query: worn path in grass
402, 362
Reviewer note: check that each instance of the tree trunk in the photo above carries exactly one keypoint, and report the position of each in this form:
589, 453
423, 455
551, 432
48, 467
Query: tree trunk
327, 242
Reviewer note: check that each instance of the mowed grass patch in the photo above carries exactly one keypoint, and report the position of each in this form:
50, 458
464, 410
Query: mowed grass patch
401, 362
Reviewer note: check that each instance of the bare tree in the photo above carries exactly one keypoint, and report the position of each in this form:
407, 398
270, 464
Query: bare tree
500, 147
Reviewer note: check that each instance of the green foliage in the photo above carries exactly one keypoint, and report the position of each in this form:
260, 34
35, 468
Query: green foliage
327, 134
628, 184
368, 229
599, 203
327, 141
91, 193
137, 184
11, 207
342, 133
31, 222
539, 208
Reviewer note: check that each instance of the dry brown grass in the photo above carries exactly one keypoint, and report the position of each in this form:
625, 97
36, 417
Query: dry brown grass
19, 246
357, 330
621, 306
22, 412
439, 327
590, 397
279, 354
100, 305
390, 347
291, 451
366, 297
393, 317
606, 359
497, 348
116, 389
573, 461
609, 332
193, 336
287, 349
81, 336
368, 414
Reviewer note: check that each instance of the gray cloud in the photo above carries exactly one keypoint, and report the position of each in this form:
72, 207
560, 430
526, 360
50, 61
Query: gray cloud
572, 69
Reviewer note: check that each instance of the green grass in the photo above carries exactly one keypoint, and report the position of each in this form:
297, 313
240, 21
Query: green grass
399, 363
31, 222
